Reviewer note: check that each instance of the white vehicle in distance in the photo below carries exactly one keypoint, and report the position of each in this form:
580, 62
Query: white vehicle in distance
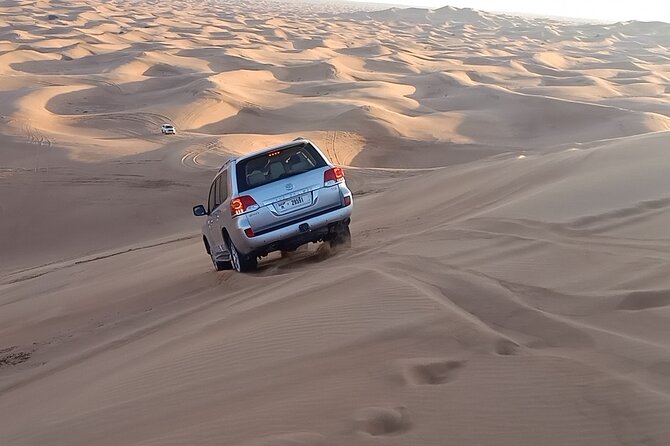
168, 129
276, 199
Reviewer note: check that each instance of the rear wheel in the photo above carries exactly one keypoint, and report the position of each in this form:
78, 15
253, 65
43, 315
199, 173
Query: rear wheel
240, 262
342, 238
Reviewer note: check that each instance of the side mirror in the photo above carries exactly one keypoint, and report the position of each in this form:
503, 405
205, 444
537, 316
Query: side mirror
199, 210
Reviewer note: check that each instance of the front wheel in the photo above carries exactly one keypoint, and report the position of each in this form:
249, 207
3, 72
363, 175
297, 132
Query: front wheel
240, 262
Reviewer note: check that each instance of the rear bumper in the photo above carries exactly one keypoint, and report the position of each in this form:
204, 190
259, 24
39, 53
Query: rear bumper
290, 236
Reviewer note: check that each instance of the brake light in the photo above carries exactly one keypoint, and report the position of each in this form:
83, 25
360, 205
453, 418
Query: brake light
240, 205
333, 176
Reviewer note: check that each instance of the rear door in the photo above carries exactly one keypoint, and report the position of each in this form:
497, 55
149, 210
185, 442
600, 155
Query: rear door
211, 200
287, 184
216, 209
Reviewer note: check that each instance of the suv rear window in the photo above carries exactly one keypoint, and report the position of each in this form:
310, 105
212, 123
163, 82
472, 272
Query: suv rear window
276, 165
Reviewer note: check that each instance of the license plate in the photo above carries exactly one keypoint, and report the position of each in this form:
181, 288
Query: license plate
294, 203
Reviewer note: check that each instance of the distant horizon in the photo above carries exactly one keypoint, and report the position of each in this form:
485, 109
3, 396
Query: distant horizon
598, 10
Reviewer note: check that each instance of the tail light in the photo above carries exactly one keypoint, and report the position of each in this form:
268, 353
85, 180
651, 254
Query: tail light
240, 205
333, 176
346, 201
249, 232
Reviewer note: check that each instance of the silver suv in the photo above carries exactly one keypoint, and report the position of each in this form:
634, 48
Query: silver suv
276, 199
168, 129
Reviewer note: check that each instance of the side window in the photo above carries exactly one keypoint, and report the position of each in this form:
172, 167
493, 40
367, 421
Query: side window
217, 185
212, 198
223, 187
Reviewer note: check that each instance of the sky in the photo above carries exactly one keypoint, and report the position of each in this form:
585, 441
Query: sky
607, 10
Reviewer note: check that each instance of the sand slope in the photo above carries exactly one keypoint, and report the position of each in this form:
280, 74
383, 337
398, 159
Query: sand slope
508, 283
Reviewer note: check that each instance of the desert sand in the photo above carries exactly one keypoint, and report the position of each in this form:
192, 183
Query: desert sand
509, 281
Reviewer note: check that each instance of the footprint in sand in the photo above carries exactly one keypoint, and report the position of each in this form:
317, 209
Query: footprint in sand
10, 356
380, 421
430, 371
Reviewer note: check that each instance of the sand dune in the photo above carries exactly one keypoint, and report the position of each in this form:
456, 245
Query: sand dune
508, 283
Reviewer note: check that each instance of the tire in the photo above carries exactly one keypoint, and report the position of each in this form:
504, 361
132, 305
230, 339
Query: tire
240, 262
219, 265
342, 238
